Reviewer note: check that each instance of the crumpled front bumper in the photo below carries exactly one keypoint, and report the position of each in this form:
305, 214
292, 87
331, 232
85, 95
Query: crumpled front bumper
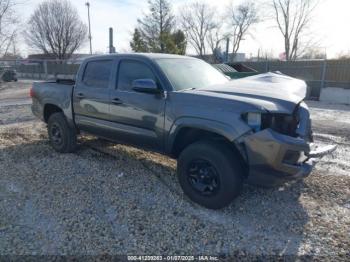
274, 158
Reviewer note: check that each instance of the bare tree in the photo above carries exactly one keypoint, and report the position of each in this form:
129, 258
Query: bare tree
8, 25
197, 21
343, 55
55, 27
216, 36
314, 53
241, 18
214, 39
293, 18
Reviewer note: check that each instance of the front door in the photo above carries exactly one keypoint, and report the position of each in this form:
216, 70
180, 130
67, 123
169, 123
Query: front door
139, 117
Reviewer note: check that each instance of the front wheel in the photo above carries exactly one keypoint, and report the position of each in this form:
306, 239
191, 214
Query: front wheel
210, 174
62, 138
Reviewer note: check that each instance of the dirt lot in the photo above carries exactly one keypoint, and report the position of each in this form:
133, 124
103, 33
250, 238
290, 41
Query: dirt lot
113, 199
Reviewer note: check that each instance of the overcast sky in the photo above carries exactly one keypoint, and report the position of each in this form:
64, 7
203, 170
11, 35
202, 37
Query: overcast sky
330, 25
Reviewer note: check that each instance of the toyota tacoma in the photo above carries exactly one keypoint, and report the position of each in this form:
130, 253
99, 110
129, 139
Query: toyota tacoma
222, 132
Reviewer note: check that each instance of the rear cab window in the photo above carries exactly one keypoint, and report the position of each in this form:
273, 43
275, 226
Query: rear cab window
97, 74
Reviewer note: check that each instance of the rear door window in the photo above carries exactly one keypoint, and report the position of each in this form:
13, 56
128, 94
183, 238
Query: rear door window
97, 73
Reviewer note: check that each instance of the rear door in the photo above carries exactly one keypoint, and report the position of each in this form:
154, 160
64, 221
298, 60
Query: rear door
138, 117
91, 95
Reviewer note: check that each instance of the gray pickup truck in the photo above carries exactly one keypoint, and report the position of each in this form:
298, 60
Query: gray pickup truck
222, 132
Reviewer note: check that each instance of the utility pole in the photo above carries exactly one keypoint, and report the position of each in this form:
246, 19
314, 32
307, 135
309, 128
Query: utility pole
111, 46
88, 8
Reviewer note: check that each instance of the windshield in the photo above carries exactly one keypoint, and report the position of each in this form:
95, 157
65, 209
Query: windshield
190, 73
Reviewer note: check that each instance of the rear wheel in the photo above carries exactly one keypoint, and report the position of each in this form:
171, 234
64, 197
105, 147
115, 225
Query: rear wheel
62, 138
210, 174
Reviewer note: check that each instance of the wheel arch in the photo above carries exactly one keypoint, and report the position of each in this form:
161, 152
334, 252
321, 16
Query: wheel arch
50, 109
190, 130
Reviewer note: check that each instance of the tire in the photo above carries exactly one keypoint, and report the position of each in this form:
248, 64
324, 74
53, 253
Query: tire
62, 138
221, 167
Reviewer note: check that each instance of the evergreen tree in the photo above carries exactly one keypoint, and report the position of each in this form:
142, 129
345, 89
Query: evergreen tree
138, 44
179, 39
156, 31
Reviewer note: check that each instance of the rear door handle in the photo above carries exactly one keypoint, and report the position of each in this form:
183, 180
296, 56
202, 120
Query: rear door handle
117, 101
80, 95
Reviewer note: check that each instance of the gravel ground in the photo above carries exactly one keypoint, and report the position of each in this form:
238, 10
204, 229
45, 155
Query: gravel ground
114, 199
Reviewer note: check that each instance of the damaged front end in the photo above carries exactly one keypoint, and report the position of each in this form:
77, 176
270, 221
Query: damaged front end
279, 147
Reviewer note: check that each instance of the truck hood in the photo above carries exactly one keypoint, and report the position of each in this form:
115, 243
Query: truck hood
272, 91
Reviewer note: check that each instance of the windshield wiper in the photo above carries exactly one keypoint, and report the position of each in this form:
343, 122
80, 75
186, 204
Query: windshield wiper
187, 89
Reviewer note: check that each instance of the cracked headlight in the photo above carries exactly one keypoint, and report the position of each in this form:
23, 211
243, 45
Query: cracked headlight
253, 120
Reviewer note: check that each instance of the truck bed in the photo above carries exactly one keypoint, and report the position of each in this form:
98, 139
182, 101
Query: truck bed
54, 93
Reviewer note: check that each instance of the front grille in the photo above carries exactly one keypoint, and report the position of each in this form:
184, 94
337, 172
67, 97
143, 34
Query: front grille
296, 125
281, 123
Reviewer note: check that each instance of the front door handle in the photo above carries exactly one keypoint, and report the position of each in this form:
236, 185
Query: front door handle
117, 101
80, 95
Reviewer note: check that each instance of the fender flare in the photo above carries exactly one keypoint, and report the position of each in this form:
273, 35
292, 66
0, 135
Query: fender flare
67, 110
220, 128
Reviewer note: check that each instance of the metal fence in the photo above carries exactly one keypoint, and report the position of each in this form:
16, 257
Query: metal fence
43, 69
317, 73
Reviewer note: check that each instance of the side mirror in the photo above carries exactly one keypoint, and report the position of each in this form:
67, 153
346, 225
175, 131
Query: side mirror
145, 86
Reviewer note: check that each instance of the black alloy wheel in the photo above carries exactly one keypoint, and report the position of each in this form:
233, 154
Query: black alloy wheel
56, 134
210, 173
62, 137
203, 177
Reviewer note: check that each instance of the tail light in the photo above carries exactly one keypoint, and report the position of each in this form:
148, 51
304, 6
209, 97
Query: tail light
31, 92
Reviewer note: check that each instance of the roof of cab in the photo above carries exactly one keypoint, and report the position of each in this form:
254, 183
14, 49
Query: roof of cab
143, 55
